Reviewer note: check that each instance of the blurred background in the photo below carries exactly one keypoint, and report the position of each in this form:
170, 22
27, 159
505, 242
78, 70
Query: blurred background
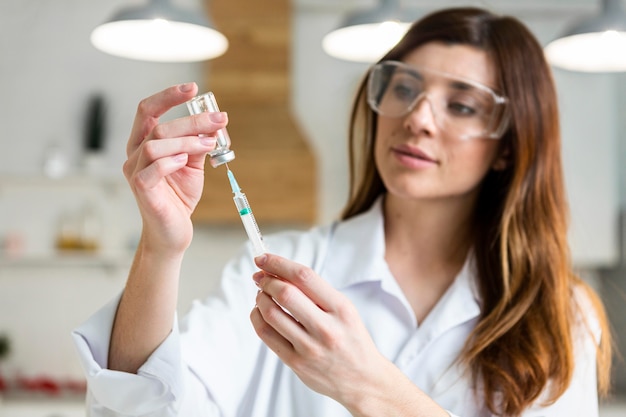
68, 224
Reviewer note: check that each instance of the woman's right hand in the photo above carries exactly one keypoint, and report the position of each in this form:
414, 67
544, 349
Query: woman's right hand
165, 166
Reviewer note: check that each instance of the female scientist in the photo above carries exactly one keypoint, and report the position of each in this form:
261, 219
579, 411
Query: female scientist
445, 289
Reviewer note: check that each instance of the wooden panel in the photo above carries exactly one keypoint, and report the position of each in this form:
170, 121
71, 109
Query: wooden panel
279, 186
249, 88
259, 128
274, 164
224, 11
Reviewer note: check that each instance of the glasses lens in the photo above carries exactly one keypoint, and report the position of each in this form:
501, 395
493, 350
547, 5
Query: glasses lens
461, 107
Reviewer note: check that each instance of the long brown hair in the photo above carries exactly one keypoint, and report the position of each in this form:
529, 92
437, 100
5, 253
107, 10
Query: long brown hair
523, 342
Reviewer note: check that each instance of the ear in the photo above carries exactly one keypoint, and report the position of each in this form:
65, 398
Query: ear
503, 160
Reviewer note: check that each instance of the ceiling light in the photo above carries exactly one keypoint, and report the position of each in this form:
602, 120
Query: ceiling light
596, 44
160, 32
367, 35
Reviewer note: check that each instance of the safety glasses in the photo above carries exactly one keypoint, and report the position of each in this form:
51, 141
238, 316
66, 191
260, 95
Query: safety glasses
464, 108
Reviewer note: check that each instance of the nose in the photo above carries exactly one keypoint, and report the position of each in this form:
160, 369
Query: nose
421, 118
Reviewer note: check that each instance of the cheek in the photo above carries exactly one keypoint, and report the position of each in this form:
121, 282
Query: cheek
385, 131
387, 128
473, 160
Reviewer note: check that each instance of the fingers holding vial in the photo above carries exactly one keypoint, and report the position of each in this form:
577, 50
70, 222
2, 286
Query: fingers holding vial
165, 166
162, 148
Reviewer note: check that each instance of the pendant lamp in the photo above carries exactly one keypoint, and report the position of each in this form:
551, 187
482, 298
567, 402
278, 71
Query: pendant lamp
366, 36
596, 44
160, 32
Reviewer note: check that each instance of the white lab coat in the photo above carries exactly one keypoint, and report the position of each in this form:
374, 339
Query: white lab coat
215, 365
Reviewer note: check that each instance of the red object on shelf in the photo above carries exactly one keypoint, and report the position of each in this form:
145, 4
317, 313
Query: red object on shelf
39, 384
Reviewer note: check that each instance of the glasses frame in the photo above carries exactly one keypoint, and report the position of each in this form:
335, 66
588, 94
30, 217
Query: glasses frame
499, 100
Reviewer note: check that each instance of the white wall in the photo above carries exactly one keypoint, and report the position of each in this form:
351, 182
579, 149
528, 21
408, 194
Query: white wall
48, 70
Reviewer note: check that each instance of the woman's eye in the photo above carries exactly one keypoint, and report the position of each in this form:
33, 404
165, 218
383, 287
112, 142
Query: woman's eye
461, 109
468, 104
404, 92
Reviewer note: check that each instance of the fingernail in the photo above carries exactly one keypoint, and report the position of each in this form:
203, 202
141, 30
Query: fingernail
260, 260
257, 277
185, 87
217, 117
181, 157
208, 140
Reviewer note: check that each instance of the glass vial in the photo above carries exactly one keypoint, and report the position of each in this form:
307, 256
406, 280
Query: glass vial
222, 153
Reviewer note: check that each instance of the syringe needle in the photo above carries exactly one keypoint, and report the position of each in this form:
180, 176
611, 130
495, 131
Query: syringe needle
234, 186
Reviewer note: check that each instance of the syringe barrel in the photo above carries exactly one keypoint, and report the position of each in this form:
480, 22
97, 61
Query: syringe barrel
242, 203
254, 235
249, 223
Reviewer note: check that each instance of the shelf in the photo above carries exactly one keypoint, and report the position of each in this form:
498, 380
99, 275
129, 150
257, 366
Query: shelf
109, 184
36, 180
43, 209
42, 407
65, 260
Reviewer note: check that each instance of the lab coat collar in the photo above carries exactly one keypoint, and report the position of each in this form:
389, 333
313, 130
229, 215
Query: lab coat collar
458, 304
360, 238
363, 238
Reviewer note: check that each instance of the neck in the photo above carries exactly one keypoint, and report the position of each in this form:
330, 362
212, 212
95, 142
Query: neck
434, 234
426, 243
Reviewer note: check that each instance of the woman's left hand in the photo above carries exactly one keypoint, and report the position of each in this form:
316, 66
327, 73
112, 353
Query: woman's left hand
318, 332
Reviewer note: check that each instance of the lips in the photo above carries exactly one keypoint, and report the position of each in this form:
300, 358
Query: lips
413, 152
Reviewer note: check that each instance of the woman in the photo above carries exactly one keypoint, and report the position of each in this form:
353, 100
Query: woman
446, 289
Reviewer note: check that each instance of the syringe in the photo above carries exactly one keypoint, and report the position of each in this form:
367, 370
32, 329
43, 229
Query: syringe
247, 218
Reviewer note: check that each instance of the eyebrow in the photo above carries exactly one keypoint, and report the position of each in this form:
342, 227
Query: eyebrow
455, 84
409, 71
463, 86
